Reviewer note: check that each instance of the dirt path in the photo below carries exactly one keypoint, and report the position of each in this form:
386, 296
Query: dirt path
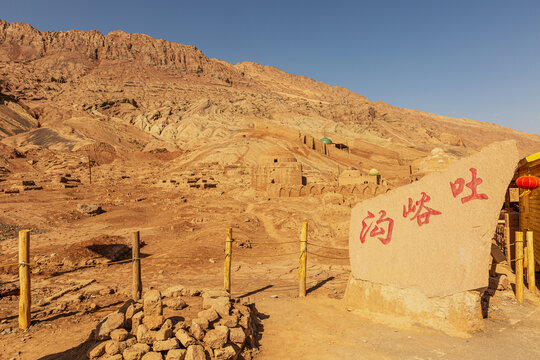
318, 327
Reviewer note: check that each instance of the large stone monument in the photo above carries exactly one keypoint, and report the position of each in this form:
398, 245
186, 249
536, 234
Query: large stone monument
421, 253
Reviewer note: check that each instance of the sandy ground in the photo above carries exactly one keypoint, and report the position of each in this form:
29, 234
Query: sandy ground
186, 228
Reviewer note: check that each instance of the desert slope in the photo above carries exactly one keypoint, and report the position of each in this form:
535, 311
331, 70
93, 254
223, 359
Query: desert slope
73, 81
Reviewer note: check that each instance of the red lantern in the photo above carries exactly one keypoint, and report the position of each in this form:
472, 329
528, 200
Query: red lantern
528, 182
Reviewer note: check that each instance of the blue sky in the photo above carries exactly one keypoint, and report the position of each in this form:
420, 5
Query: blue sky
475, 59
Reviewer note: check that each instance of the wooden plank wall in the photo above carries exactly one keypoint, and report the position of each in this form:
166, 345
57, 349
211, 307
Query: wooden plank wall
529, 209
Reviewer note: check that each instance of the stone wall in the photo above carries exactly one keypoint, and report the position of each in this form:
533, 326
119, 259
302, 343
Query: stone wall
355, 177
283, 174
361, 191
338, 152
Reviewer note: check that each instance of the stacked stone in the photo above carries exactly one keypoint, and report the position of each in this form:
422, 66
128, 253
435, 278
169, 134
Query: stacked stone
138, 331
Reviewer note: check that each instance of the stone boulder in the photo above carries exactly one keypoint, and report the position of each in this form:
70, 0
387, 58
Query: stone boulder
217, 337
425, 248
195, 352
135, 352
176, 354
111, 322
423, 234
90, 209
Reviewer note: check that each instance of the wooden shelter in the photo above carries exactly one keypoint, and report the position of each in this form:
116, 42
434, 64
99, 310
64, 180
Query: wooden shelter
529, 204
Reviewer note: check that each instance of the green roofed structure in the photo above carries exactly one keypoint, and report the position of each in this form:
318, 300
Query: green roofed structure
326, 140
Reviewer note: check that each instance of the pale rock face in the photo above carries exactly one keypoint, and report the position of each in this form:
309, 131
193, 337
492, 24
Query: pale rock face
144, 335
97, 350
152, 303
175, 303
119, 334
176, 354
152, 356
221, 305
435, 234
165, 345
136, 320
196, 331
115, 357
225, 353
217, 337
184, 338
135, 352
112, 322
195, 352
229, 321
237, 335
209, 315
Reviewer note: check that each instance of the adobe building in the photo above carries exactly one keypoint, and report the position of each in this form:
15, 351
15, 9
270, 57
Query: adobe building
353, 176
276, 166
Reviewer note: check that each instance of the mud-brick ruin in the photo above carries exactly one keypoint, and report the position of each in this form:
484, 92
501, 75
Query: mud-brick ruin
356, 177
278, 172
277, 166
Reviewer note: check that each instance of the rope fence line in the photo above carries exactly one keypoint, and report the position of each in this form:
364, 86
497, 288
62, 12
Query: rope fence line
60, 265
296, 242
327, 247
329, 257
263, 256
7, 265
25, 265
272, 243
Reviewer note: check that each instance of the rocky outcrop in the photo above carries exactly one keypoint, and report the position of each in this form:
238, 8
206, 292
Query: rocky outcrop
21, 42
130, 89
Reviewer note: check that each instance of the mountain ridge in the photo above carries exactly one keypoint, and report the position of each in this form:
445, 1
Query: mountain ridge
178, 96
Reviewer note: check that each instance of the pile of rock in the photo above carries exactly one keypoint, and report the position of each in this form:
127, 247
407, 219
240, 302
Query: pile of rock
139, 330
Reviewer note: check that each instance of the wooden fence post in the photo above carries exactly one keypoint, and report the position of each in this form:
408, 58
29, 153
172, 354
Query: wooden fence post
531, 276
303, 260
228, 255
519, 266
507, 239
136, 291
25, 299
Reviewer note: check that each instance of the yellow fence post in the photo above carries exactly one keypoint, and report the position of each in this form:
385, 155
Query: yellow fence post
303, 261
519, 266
136, 290
25, 299
531, 276
228, 254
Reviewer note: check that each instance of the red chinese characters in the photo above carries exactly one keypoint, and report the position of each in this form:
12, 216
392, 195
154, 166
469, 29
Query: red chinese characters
383, 226
458, 186
422, 213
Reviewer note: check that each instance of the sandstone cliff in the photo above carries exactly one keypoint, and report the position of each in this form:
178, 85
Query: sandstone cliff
85, 85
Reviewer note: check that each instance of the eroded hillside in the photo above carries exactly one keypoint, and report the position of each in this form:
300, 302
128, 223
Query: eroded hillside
138, 93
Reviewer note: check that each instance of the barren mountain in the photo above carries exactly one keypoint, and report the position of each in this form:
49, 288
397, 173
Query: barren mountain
63, 89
